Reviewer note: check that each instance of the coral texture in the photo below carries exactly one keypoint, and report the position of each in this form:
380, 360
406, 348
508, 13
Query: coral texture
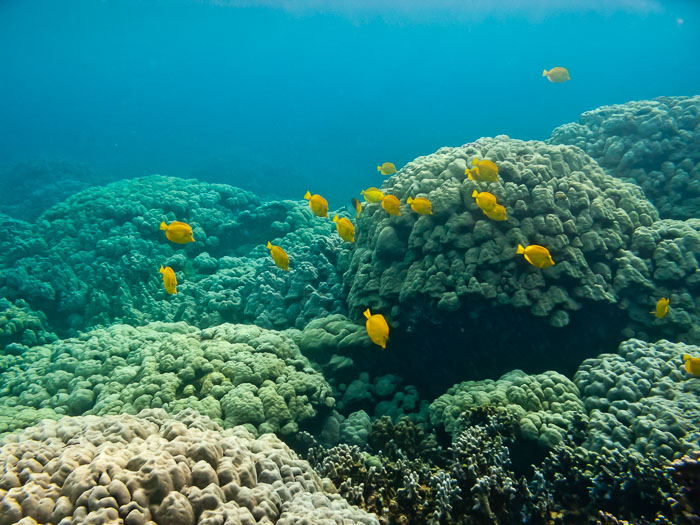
94, 259
153, 469
235, 374
651, 142
640, 400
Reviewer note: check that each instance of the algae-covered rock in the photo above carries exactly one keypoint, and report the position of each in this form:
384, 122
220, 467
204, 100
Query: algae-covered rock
235, 374
641, 399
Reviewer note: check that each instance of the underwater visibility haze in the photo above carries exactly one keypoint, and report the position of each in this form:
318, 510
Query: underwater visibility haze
305, 262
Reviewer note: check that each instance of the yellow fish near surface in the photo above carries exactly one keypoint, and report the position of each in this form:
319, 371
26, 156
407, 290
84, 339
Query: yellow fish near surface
391, 205
557, 74
483, 171
498, 213
536, 255
387, 168
372, 194
420, 205
485, 200
169, 279
177, 232
357, 206
279, 256
691, 364
318, 204
661, 307
345, 228
377, 329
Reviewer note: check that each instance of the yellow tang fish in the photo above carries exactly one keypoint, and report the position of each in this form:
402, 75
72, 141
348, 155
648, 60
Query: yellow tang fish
356, 205
177, 232
318, 204
661, 307
387, 168
345, 228
498, 213
279, 256
557, 74
377, 329
169, 279
485, 200
420, 205
483, 171
391, 205
691, 364
536, 255
372, 194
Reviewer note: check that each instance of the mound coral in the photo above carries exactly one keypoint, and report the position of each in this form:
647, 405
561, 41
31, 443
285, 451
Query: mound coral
94, 259
640, 401
545, 404
235, 374
651, 142
163, 471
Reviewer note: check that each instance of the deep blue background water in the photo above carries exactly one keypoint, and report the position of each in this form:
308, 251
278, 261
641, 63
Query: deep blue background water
285, 100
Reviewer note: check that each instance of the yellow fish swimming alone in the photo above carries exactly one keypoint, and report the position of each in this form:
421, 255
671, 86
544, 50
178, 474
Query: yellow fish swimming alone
483, 171
318, 204
387, 168
279, 256
420, 205
691, 364
661, 307
391, 205
536, 255
557, 74
485, 200
372, 194
356, 205
345, 228
177, 232
377, 329
169, 279
498, 213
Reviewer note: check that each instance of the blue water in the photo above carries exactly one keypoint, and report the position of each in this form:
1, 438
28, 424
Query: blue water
285, 99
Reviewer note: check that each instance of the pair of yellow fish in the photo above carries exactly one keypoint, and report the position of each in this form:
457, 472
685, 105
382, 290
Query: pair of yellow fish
179, 233
392, 205
487, 202
483, 171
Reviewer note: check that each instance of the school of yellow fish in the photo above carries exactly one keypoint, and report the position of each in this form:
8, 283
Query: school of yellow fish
482, 171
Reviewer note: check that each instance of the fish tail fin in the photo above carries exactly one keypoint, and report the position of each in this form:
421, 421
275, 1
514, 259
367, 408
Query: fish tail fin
545, 72
409, 200
163, 226
307, 196
269, 245
520, 249
686, 357
475, 161
367, 313
335, 218
162, 269
474, 193
379, 168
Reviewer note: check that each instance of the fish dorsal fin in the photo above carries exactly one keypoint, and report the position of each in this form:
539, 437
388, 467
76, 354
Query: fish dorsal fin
269, 245
335, 218
308, 195
367, 313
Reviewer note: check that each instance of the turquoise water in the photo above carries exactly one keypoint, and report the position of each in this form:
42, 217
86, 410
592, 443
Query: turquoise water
306, 95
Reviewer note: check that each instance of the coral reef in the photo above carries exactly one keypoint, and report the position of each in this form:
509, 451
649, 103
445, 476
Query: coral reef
21, 326
235, 374
154, 469
545, 404
94, 259
640, 401
28, 189
651, 142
